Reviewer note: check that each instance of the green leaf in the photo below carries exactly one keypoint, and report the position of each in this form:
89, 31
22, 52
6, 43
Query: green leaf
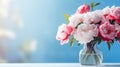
116, 38
109, 45
72, 40
97, 4
112, 22
92, 5
99, 40
66, 17
79, 44
112, 42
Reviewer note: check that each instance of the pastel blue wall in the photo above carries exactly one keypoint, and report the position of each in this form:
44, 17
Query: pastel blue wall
42, 18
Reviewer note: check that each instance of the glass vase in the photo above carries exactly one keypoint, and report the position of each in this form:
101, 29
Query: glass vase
90, 54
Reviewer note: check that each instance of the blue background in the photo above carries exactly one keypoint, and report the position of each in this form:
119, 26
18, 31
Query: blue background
42, 18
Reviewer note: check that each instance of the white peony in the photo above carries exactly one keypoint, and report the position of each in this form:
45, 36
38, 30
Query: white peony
106, 10
106, 13
92, 17
76, 19
99, 13
113, 7
85, 33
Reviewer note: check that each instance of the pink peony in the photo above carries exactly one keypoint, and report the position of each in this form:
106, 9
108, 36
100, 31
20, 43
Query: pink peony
64, 31
116, 14
117, 26
109, 17
118, 36
83, 9
107, 31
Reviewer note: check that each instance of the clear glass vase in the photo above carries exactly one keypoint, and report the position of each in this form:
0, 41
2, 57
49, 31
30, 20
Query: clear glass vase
90, 54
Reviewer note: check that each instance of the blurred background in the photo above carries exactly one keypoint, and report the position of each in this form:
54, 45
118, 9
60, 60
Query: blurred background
28, 30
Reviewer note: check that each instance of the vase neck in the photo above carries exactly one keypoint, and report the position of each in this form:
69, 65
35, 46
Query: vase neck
90, 45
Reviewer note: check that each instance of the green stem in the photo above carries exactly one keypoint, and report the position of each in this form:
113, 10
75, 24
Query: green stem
83, 56
90, 52
88, 55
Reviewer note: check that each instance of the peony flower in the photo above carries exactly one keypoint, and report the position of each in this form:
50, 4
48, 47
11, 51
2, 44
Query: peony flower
116, 14
106, 10
64, 31
107, 13
83, 9
117, 26
76, 19
118, 36
107, 31
109, 17
99, 12
92, 17
85, 33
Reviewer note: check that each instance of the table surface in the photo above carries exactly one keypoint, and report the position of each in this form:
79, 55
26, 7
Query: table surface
55, 65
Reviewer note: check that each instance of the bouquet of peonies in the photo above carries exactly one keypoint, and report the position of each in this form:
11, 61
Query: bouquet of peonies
91, 28
85, 26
